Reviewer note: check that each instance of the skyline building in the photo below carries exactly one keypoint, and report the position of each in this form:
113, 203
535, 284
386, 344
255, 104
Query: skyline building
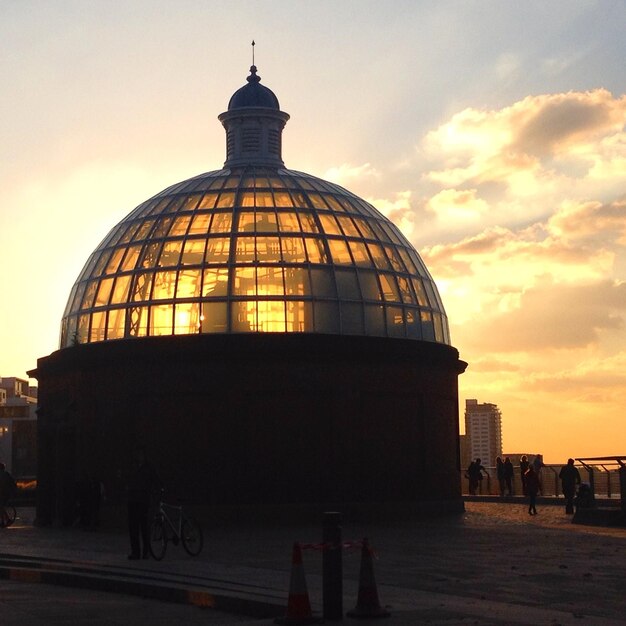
483, 431
270, 337
18, 426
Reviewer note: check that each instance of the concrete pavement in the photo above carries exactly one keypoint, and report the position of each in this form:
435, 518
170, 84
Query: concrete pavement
492, 565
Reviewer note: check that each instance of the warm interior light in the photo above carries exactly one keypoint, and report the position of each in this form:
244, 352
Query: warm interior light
253, 254
186, 319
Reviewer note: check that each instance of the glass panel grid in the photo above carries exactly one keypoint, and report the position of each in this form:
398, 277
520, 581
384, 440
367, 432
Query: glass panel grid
304, 256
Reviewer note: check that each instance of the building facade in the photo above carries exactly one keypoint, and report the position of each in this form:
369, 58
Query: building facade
483, 430
269, 338
18, 427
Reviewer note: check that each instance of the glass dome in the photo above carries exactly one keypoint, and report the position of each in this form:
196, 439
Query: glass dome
252, 248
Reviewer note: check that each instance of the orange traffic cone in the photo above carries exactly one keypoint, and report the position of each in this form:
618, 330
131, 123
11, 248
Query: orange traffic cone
298, 605
367, 604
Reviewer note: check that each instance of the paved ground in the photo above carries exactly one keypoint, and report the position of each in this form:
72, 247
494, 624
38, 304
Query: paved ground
492, 565
28, 604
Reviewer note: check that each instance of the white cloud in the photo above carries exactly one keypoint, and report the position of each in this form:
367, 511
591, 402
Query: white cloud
398, 210
453, 204
345, 173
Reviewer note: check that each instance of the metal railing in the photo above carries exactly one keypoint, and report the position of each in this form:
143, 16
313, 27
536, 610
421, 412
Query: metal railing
607, 468
606, 477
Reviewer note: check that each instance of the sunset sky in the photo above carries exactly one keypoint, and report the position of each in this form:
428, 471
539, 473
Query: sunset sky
492, 133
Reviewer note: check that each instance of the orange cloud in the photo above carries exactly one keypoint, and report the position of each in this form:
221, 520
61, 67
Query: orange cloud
554, 317
592, 221
457, 204
539, 151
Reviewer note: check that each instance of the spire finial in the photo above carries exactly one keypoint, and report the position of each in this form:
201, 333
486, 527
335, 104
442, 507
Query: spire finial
253, 78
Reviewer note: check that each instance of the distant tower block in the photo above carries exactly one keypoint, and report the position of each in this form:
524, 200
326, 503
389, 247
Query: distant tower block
483, 427
269, 337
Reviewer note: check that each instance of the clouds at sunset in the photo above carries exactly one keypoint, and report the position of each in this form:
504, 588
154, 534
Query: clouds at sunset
524, 160
520, 216
535, 281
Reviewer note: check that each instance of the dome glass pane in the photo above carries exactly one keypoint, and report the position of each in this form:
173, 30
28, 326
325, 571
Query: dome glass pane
254, 249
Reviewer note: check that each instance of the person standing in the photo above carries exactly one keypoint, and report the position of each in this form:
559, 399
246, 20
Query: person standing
532, 487
508, 475
8, 488
570, 477
142, 480
500, 474
475, 474
523, 468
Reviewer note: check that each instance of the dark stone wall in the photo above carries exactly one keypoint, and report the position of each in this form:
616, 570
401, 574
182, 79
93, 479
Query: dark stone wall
253, 419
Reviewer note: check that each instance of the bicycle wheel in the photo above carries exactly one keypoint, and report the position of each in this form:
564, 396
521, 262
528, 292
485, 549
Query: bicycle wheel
158, 538
191, 536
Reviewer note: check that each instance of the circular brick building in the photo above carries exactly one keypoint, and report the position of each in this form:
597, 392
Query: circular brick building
270, 338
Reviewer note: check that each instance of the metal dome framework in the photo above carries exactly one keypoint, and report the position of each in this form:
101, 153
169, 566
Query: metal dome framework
251, 248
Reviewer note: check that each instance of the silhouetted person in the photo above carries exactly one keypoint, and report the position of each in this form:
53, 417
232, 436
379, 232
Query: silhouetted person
142, 480
532, 487
508, 475
570, 477
523, 468
538, 465
89, 496
474, 473
500, 474
8, 489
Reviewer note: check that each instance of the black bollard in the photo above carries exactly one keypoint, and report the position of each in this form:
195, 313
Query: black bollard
332, 582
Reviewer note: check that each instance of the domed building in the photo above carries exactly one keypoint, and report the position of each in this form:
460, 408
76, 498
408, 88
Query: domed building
270, 339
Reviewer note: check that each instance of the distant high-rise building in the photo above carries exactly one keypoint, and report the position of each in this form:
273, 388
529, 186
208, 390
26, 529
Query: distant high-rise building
483, 429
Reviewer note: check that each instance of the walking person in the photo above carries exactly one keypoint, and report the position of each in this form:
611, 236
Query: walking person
570, 477
538, 465
508, 475
142, 480
532, 488
523, 468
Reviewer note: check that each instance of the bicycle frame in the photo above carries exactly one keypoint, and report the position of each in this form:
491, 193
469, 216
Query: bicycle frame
176, 529
172, 520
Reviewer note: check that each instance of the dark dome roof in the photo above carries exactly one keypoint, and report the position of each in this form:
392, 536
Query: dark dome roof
253, 95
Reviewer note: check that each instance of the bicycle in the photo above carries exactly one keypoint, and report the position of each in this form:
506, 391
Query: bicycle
7, 515
180, 529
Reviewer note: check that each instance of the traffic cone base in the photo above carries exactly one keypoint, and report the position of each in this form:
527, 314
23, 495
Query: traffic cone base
298, 604
367, 604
